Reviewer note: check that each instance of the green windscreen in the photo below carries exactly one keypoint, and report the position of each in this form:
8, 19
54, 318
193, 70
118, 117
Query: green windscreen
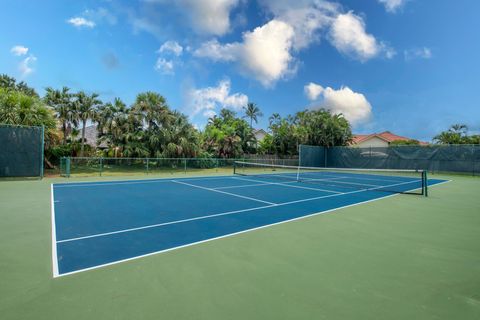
311, 156
434, 158
21, 151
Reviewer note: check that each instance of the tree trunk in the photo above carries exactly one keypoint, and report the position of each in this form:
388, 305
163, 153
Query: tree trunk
84, 123
64, 128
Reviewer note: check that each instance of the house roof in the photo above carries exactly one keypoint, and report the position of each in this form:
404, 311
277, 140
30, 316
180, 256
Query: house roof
255, 131
387, 136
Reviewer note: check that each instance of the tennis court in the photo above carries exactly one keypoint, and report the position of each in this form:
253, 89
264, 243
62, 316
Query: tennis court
96, 224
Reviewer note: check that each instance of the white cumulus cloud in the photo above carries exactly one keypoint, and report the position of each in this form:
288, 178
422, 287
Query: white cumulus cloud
263, 53
19, 50
353, 105
207, 101
348, 34
81, 22
164, 66
171, 47
392, 5
313, 90
307, 18
26, 65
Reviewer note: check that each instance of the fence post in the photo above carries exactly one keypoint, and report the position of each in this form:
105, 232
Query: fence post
101, 166
42, 165
67, 167
147, 166
473, 160
185, 165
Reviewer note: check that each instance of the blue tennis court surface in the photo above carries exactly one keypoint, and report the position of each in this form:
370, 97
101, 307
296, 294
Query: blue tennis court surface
100, 223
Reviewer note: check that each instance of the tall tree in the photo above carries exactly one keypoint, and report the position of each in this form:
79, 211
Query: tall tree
10, 83
86, 110
252, 111
456, 134
61, 101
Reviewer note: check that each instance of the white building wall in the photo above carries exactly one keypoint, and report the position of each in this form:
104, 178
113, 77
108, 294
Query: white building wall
372, 142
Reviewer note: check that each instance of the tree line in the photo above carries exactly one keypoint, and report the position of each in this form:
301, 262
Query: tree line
150, 128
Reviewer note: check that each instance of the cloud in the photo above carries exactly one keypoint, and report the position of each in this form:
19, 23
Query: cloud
268, 52
26, 65
349, 36
313, 90
392, 5
207, 101
164, 66
19, 50
99, 15
210, 17
171, 47
216, 51
264, 52
81, 22
307, 18
354, 106
110, 61
418, 53
206, 17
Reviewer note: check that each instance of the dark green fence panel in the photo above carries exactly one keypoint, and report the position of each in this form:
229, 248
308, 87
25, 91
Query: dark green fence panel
434, 158
21, 151
311, 156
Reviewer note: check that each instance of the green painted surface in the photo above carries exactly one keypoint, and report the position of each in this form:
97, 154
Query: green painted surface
405, 257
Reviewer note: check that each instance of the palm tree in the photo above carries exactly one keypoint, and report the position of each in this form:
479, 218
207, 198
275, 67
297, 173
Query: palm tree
86, 110
61, 101
252, 111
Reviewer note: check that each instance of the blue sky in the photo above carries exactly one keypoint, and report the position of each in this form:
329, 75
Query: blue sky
408, 66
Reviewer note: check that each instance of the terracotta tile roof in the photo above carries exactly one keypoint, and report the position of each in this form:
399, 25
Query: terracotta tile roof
386, 136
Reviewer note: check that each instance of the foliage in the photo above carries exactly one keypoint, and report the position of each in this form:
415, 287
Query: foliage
148, 129
228, 136
18, 108
61, 101
252, 111
312, 127
10, 83
410, 142
456, 134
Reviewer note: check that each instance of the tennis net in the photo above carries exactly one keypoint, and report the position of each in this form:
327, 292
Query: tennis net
339, 179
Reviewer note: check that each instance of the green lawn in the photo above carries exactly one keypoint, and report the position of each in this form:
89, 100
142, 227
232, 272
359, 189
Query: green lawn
405, 257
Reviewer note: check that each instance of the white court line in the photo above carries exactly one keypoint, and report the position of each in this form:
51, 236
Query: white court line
291, 186
54, 235
127, 182
224, 192
233, 234
164, 224
219, 214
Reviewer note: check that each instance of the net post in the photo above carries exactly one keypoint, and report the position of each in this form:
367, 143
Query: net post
299, 155
42, 153
234, 167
